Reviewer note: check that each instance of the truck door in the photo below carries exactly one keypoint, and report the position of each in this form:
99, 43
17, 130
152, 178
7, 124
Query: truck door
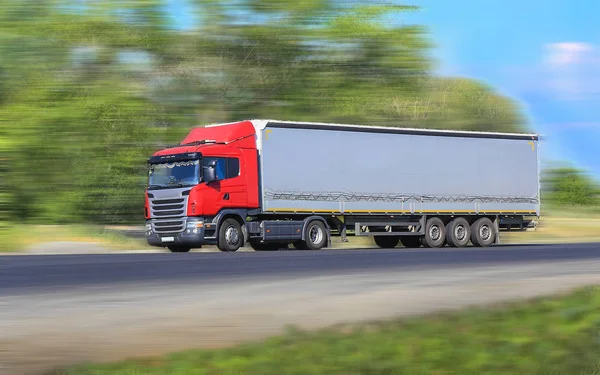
230, 189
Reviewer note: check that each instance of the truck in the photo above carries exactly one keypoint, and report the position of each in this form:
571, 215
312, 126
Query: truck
274, 184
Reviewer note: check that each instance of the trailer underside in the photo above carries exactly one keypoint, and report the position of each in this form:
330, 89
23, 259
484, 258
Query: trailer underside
410, 230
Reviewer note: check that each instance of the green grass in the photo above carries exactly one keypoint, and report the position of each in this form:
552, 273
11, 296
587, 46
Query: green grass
552, 335
560, 226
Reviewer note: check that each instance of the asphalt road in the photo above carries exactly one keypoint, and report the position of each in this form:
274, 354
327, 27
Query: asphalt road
21, 274
57, 310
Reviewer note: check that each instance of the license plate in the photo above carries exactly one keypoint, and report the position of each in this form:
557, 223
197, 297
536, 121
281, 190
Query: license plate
168, 239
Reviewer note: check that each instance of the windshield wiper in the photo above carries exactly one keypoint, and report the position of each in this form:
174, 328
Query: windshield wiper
179, 185
169, 186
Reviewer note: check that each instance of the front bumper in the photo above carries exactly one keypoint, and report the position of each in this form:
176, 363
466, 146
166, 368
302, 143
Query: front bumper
186, 238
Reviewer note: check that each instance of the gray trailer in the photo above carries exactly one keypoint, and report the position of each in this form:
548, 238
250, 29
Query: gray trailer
415, 186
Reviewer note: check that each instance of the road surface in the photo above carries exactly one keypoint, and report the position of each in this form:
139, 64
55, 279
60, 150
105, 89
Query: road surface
57, 310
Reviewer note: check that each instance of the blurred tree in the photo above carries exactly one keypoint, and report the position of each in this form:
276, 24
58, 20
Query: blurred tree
72, 115
5, 197
567, 186
90, 89
458, 103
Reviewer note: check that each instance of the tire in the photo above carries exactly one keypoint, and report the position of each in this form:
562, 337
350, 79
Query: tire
386, 242
268, 246
231, 237
458, 232
315, 235
483, 232
179, 249
411, 242
435, 233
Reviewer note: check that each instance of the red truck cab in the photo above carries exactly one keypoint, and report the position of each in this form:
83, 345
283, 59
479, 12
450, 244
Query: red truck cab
205, 184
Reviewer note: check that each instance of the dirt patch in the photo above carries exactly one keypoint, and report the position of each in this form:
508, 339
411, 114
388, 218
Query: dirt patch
67, 247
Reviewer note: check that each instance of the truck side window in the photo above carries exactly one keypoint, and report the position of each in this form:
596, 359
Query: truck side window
226, 167
233, 167
221, 169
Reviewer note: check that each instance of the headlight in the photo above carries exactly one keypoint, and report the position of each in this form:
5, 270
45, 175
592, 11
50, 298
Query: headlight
148, 227
195, 224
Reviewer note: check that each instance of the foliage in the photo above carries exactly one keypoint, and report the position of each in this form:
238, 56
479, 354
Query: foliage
89, 90
458, 103
557, 335
568, 187
5, 197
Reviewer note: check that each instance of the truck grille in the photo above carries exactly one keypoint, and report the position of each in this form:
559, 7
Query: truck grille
168, 214
169, 226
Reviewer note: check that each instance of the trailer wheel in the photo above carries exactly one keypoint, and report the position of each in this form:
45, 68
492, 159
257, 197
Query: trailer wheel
410, 242
315, 235
386, 242
458, 232
179, 249
483, 233
435, 233
231, 237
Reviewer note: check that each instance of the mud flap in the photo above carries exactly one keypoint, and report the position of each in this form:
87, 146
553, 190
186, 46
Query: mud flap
497, 230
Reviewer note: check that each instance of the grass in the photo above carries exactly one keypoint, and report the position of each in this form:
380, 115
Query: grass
551, 335
15, 237
558, 229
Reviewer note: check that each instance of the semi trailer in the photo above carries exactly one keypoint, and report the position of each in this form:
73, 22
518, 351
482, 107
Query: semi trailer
270, 184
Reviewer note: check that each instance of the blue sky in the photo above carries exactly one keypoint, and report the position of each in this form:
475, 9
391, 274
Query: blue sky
543, 53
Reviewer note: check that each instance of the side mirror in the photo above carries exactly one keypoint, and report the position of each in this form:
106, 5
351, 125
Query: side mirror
210, 172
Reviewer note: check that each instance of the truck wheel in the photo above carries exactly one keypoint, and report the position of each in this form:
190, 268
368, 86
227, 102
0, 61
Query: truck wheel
435, 233
316, 235
179, 249
386, 242
458, 232
410, 241
231, 237
483, 233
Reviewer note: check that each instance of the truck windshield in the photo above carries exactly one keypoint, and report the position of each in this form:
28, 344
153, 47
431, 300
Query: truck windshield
175, 174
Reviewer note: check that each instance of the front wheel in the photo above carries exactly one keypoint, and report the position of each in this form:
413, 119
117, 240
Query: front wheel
231, 237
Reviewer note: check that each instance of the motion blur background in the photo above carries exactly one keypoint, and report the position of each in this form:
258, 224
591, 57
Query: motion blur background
89, 89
